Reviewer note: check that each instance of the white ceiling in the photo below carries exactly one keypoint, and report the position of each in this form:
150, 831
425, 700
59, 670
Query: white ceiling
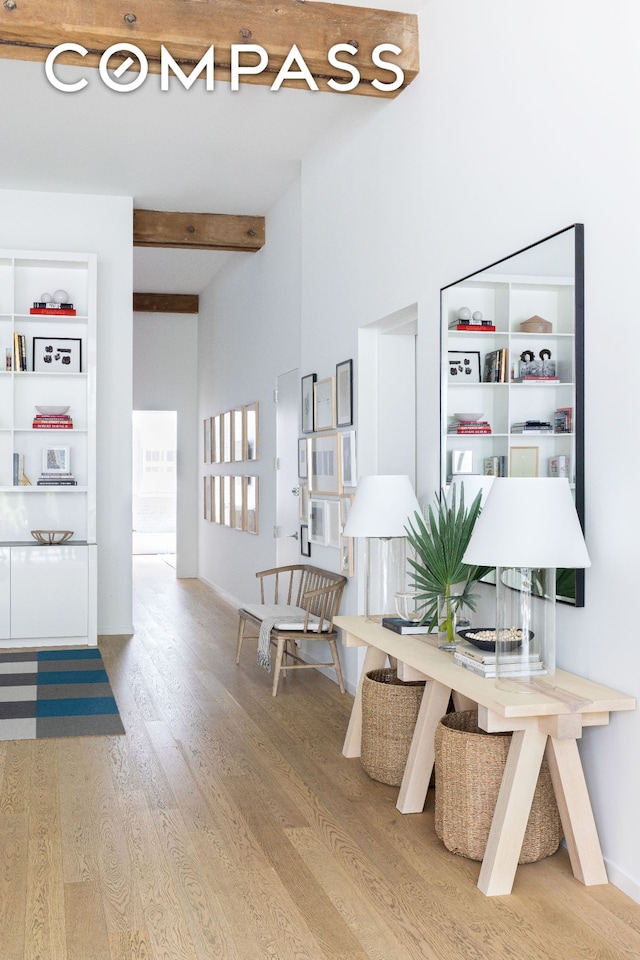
196, 151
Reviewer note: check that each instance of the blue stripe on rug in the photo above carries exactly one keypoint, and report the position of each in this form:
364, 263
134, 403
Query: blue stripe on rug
73, 676
71, 707
93, 654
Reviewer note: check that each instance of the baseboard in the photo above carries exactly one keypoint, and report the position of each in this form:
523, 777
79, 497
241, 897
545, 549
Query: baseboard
223, 594
623, 882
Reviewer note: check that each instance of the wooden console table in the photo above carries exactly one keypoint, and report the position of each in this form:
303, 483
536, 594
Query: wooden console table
551, 720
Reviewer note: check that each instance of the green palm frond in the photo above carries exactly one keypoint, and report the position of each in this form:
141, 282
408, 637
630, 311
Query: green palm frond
439, 544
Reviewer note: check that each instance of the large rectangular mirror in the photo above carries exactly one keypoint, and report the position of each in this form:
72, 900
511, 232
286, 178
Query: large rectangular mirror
512, 373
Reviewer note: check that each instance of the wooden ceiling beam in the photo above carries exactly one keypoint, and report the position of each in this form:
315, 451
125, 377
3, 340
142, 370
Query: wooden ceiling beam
198, 231
166, 303
187, 28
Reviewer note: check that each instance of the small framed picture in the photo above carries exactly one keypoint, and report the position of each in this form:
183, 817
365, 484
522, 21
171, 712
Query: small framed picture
56, 460
238, 502
306, 402
207, 440
226, 436
251, 513
304, 501
344, 393
317, 521
348, 458
332, 522
463, 366
324, 465
324, 404
216, 448
226, 501
346, 556
305, 545
251, 431
57, 355
237, 434
216, 507
523, 461
303, 463
206, 513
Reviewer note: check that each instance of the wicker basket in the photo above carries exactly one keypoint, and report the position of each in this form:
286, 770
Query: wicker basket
389, 713
469, 768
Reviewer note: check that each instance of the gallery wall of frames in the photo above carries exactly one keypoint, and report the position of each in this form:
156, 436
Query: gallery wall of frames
232, 437
327, 463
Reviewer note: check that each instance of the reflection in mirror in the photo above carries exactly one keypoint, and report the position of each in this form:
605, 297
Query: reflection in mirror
512, 373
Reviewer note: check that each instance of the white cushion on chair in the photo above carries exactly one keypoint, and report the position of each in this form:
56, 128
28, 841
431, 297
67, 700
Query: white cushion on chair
263, 610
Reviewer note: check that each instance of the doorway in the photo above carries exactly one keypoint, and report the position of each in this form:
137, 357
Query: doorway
154, 483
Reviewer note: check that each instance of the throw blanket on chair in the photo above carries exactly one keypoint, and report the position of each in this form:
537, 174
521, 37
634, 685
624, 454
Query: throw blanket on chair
264, 637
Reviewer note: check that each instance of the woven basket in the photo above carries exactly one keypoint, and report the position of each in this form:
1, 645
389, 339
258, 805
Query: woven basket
469, 768
389, 713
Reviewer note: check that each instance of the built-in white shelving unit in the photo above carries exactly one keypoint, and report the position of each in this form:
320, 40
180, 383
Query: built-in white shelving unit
47, 593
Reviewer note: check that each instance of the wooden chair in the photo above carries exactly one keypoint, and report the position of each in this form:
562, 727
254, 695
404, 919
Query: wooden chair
299, 602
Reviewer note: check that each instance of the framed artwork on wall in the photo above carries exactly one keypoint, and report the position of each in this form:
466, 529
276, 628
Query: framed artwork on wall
324, 404
344, 393
225, 431
332, 522
251, 513
216, 506
317, 521
324, 465
57, 355
303, 464
207, 440
237, 434
304, 501
305, 545
226, 500
238, 502
306, 402
348, 476
463, 366
251, 451
206, 510
346, 556
216, 448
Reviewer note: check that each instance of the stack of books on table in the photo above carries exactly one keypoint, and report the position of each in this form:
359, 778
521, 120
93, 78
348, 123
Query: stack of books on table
57, 480
398, 625
57, 421
462, 427
483, 662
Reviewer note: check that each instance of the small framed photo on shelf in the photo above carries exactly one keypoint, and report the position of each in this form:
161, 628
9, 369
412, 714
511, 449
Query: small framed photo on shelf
523, 461
56, 460
348, 475
344, 393
306, 402
305, 545
303, 462
463, 366
324, 404
57, 355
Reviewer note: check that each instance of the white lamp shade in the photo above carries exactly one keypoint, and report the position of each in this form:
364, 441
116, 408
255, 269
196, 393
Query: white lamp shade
528, 522
382, 507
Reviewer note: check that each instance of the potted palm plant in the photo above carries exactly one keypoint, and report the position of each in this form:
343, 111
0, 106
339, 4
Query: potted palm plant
443, 583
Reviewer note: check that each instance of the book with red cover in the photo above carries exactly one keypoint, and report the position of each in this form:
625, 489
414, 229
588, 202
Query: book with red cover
53, 312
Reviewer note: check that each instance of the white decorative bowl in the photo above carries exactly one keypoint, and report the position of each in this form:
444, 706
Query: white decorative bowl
468, 416
51, 411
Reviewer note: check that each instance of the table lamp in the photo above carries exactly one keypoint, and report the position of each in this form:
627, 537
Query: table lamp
528, 527
381, 509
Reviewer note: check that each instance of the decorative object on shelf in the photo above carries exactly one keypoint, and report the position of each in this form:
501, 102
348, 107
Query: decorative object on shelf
464, 315
61, 296
464, 366
51, 411
52, 537
438, 569
484, 638
381, 509
324, 404
54, 305
526, 556
536, 324
468, 416
344, 393
306, 402
461, 462
57, 354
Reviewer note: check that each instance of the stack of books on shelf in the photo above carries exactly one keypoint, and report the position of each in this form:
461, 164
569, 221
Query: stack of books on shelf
530, 378
474, 326
19, 477
53, 421
532, 427
19, 351
483, 662
462, 427
560, 466
563, 420
495, 366
53, 309
56, 480
495, 466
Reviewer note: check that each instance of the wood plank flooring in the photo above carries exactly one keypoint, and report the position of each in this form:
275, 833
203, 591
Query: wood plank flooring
227, 825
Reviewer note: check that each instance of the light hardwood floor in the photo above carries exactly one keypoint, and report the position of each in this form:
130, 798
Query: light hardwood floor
227, 824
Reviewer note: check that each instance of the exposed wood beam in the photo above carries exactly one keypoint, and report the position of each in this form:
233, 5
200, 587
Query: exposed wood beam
165, 303
197, 231
187, 28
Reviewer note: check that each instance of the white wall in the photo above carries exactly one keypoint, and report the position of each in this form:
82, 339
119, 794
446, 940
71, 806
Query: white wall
165, 361
101, 225
521, 122
249, 334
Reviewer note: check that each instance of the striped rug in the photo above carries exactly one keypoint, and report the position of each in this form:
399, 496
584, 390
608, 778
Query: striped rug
56, 693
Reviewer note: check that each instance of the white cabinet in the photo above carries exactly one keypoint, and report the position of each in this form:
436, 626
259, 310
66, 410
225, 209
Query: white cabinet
48, 592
